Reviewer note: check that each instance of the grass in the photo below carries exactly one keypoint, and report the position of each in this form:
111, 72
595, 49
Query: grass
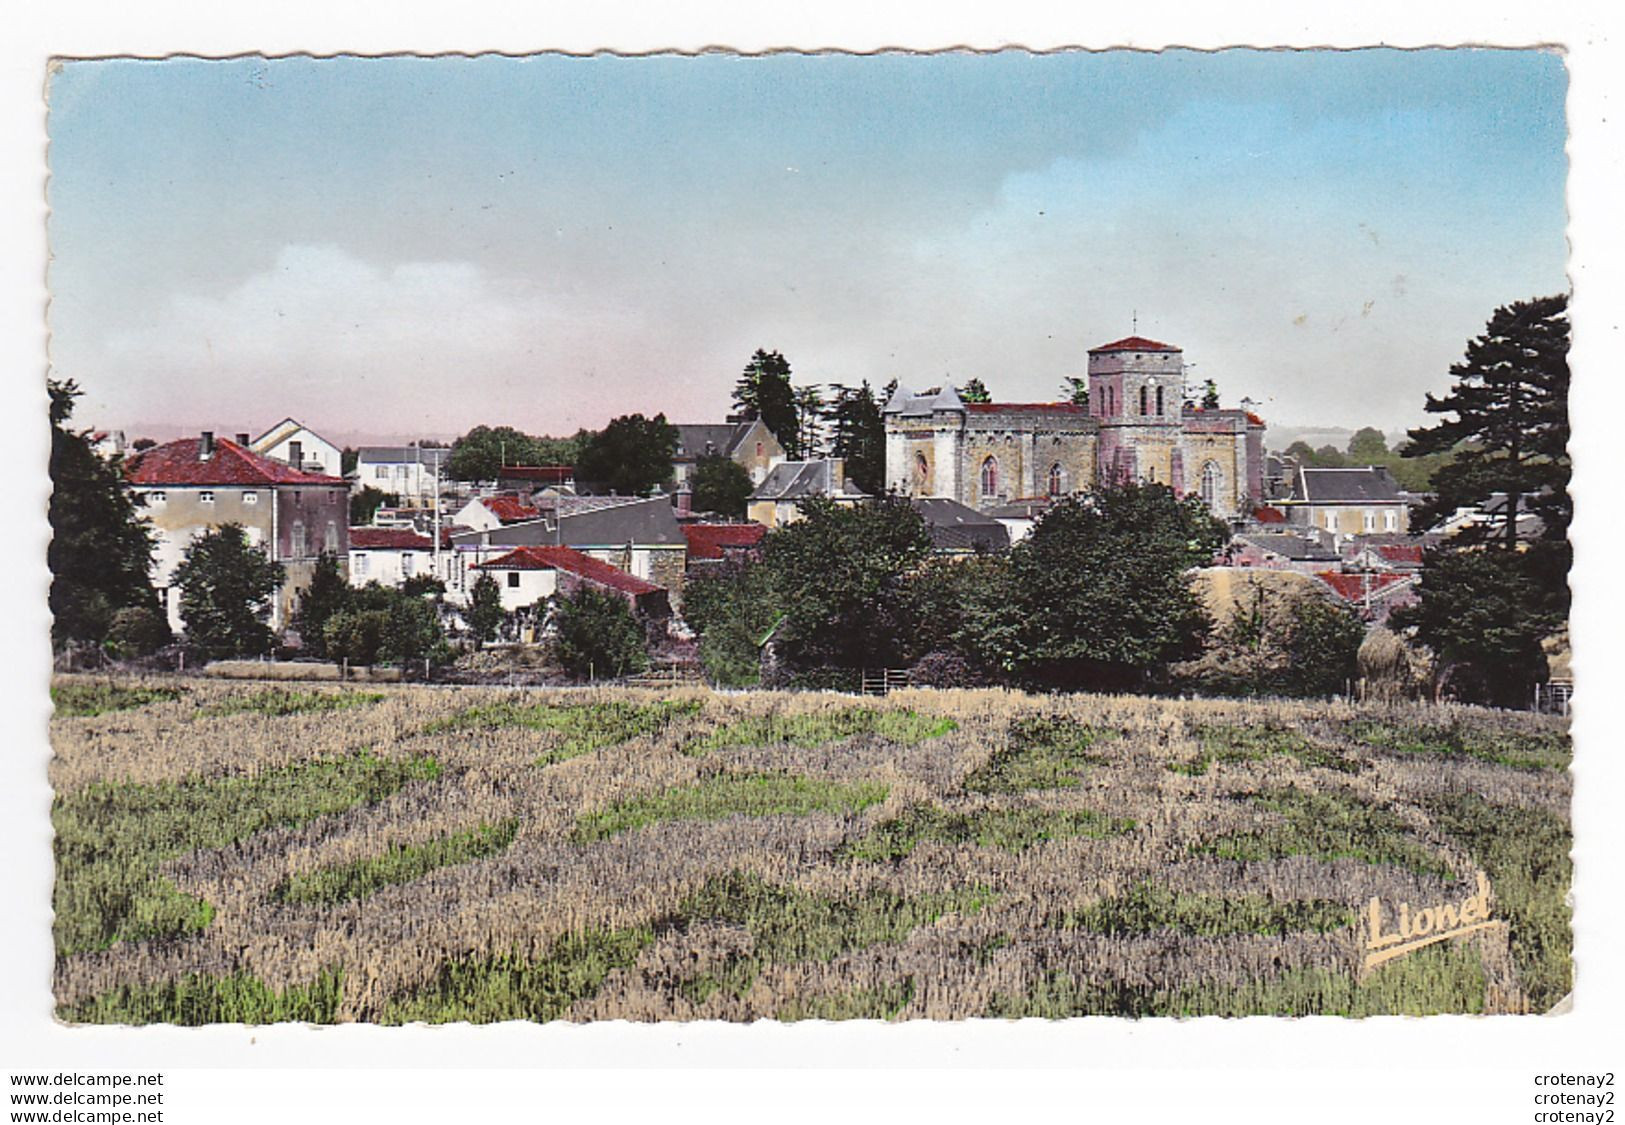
1042, 753
1224, 744
1146, 908
1329, 825
509, 987
197, 999
724, 795
1430, 981
884, 1002
819, 728
787, 925
401, 864
86, 698
1014, 830
583, 728
1525, 854
278, 702
111, 839
1456, 738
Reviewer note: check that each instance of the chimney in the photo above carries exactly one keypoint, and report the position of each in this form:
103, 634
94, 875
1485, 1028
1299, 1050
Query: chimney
205, 446
242, 440
296, 455
685, 500
837, 473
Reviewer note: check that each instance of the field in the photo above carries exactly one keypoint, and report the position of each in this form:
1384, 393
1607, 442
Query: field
237, 852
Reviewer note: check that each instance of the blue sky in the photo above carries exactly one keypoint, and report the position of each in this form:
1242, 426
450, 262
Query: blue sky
404, 247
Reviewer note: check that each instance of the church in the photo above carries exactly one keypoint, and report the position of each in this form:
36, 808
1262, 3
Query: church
1137, 426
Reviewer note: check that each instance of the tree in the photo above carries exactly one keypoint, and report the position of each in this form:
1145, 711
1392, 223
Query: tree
101, 548
142, 444
226, 588
858, 434
1368, 446
1489, 595
485, 613
764, 392
481, 453
1329, 457
974, 390
837, 576
364, 505
1510, 432
348, 459
1075, 389
327, 595
732, 608
1210, 395
597, 634
137, 630
809, 422
631, 455
1098, 595
1279, 640
721, 485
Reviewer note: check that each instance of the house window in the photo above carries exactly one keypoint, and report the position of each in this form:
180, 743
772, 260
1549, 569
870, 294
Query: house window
1210, 484
1371, 521
296, 540
1390, 520
358, 562
990, 478
156, 497
1057, 479
760, 449
205, 497
251, 498
1331, 521
406, 564
380, 472
298, 499
922, 468
332, 541
513, 580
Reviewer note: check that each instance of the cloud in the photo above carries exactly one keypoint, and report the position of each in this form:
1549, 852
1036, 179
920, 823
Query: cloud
323, 333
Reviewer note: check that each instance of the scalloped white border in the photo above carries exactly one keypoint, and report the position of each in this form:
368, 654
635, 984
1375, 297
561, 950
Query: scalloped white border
1448, 1065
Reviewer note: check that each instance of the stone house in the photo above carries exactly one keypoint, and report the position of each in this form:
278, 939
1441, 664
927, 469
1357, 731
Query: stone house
778, 499
195, 484
750, 444
411, 472
1343, 502
389, 555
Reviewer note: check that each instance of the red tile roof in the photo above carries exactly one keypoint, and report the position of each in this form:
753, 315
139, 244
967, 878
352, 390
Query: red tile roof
1134, 344
510, 509
388, 539
1024, 407
573, 561
1353, 587
177, 463
706, 540
545, 474
1262, 515
1400, 552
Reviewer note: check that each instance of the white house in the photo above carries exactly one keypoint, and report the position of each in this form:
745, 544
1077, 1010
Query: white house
411, 472
296, 444
388, 555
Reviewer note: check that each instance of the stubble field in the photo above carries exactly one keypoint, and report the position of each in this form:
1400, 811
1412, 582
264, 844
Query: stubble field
255, 853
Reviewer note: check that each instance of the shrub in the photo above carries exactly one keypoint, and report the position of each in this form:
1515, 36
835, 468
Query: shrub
137, 631
597, 635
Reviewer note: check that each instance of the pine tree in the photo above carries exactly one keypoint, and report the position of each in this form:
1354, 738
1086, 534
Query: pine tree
858, 434
764, 392
101, 548
1210, 395
1075, 389
1510, 432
